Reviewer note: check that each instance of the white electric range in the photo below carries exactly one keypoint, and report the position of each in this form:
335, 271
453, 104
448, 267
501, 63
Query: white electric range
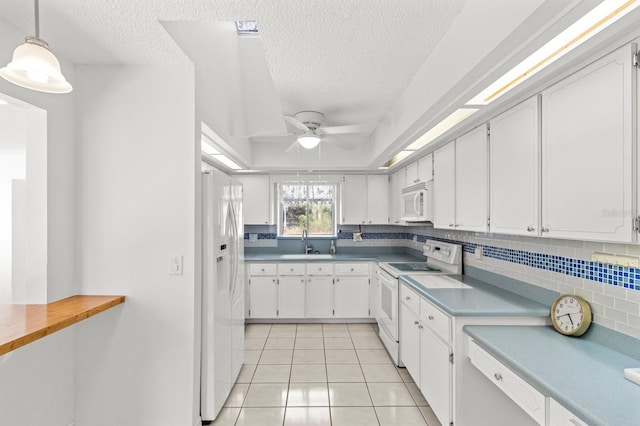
442, 259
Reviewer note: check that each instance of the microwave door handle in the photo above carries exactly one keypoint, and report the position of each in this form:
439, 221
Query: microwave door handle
416, 203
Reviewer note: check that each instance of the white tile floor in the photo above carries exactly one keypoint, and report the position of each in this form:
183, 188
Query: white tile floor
321, 374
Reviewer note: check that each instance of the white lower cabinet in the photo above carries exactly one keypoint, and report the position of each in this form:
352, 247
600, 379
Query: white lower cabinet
319, 300
435, 374
432, 344
263, 292
291, 297
560, 416
351, 290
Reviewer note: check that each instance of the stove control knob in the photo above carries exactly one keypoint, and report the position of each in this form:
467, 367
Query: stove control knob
427, 247
446, 253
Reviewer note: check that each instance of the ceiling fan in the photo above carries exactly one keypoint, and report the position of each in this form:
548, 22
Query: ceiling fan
306, 127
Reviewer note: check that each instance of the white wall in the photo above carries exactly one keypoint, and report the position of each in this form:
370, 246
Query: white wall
36, 382
136, 364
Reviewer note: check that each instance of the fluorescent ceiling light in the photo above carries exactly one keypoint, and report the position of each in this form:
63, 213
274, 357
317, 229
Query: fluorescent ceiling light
207, 147
309, 141
226, 161
452, 120
583, 29
396, 158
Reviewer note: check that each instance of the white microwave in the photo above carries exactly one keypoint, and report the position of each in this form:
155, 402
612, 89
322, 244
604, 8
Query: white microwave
417, 202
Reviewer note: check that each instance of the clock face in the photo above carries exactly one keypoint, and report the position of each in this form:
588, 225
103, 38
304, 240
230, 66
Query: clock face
571, 315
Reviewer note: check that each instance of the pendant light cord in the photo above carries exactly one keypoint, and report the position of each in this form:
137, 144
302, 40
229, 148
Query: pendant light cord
37, 13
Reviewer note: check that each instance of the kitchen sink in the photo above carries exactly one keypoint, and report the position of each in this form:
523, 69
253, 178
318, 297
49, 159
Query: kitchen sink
439, 281
305, 256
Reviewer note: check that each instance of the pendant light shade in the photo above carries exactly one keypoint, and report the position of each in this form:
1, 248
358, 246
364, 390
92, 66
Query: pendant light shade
34, 67
309, 141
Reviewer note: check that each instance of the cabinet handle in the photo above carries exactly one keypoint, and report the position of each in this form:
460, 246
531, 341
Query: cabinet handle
420, 326
498, 376
338, 280
351, 269
451, 225
319, 269
530, 228
369, 221
416, 322
262, 269
544, 229
430, 317
407, 298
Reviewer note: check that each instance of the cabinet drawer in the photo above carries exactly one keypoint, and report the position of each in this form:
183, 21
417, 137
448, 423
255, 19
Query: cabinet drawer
410, 298
352, 269
521, 392
257, 269
291, 268
319, 269
560, 416
436, 320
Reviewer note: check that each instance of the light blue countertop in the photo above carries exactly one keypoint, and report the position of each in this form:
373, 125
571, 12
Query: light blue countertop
280, 257
481, 299
584, 376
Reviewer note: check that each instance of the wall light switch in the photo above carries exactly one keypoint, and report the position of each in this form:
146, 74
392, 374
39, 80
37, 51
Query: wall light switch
175, 265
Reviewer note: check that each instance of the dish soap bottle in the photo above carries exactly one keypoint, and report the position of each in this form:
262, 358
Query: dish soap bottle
332, 249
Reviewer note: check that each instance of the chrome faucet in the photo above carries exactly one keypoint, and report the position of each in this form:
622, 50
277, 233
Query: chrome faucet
305, 238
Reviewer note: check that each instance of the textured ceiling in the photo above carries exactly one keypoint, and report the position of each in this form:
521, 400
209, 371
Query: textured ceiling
348, 59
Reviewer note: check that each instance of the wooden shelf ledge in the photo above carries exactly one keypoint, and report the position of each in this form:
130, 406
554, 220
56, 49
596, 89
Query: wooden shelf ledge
23, 324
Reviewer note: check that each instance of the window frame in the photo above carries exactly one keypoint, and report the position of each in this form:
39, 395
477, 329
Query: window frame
308, 183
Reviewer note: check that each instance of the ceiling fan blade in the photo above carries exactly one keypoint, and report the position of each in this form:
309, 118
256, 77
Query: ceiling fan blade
296, 124
293, 146
353, 128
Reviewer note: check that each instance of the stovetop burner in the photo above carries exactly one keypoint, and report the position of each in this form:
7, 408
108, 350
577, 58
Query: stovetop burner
414, 266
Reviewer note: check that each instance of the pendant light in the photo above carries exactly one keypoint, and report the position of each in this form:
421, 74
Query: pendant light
34, 67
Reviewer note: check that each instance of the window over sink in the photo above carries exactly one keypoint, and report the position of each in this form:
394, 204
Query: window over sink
307, 205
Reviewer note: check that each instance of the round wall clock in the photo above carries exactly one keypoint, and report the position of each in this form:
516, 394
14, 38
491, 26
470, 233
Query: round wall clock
571, 315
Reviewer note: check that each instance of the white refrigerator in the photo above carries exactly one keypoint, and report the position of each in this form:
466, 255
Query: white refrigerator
222, 290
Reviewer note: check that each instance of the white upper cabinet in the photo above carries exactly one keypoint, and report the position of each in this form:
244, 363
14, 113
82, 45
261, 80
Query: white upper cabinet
460, 183
586, 152
257, 199
419, 171
354, 199
377, 199
365, 199
514, 171
396, 182
471, 181
444, 186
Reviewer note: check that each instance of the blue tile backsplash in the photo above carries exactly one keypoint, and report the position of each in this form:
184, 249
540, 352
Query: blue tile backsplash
620, 276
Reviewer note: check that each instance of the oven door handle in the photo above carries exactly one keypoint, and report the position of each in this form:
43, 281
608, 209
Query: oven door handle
387, 279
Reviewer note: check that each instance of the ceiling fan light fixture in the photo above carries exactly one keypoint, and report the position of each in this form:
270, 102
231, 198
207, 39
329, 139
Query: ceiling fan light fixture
34, 67
309, 141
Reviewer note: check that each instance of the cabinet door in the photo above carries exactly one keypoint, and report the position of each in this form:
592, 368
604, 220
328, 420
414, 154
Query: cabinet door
444, 186
411, 174
586, 152
435, 374
291, 297
318, 297
394, 197
410, 342
263, 303
377, 199
257, 199
351, 297
513, 164
425, 168
471, 181
354, 199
